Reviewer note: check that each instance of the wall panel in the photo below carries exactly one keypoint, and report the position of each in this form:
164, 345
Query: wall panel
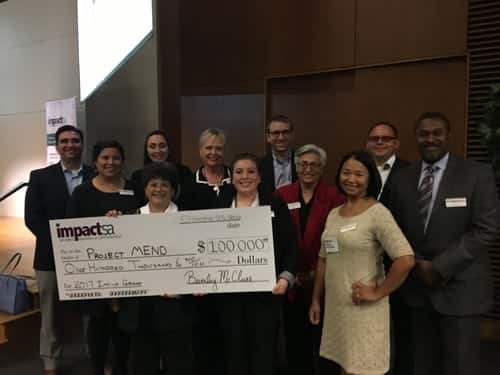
222, 42
306, 36
393, 30
335, 110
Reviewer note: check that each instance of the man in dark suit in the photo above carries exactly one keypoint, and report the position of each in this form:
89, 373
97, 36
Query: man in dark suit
48, 192
277, 167
383, 143
448, 209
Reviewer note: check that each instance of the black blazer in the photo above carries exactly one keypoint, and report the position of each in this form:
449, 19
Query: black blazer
46, 199
386, 192
457, 238
284, 236
266, 168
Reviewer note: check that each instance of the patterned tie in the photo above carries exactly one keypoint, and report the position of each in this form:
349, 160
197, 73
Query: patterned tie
425, 192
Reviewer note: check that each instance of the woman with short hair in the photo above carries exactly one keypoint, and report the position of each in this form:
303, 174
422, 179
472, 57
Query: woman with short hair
309, 200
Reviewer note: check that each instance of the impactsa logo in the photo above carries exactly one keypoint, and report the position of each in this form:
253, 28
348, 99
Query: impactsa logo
84, 231
54, 121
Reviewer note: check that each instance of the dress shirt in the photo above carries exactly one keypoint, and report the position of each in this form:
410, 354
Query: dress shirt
171, 208
73, 177
282, 170
438, 174
384, 170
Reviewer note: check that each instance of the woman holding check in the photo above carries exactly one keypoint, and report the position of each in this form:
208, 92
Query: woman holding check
250, 320
160, 327
351, 273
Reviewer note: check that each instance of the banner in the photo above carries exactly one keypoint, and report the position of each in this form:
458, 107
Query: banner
58, 113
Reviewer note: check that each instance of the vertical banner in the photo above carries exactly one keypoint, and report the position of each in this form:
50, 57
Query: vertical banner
58, 113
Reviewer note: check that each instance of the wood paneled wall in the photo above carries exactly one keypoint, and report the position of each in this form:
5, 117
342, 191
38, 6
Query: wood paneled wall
333, 66
334, 110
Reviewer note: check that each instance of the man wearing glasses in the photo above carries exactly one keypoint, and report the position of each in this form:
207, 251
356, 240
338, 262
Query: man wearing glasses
277, 167
382, 144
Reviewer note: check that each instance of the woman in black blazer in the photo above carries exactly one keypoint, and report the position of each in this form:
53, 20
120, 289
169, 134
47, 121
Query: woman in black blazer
250, 320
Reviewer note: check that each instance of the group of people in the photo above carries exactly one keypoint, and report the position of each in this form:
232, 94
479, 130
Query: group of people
383, 271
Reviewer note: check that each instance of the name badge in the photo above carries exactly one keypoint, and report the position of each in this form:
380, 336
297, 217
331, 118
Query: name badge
331, 245
126, 192
272, 213
294, 205
456, 202
348, 228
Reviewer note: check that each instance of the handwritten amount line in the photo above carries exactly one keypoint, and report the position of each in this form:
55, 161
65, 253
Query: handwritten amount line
143, 257
169, 268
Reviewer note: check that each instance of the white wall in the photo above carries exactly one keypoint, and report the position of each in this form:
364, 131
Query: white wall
38, 62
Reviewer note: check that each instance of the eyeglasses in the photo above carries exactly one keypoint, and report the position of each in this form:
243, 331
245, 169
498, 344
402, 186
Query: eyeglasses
383, 138
305, 165
277, 133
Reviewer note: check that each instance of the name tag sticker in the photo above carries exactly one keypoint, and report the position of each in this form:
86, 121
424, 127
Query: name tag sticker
294, 205
126, 192
348, 228
456, 202
331, 245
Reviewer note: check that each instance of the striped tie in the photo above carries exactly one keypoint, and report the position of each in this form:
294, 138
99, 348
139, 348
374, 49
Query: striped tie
425, 192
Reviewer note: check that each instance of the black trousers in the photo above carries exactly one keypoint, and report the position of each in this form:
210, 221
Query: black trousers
302, 338
208, 341
440, 344
250, 327
174, 350
103, 328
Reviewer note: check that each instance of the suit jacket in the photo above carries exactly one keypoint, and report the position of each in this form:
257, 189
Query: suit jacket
325, 198
266, 168
46, 199
285, 244
386, 192
457, 238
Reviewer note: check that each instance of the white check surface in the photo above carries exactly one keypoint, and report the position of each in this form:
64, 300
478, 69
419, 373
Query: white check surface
209, 251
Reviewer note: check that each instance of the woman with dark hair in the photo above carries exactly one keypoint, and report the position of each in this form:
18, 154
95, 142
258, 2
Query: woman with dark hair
350, 272
160, 327
156, 150
107, 191
250, 320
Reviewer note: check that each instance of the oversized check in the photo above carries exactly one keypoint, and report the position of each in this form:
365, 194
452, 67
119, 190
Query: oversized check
209, 251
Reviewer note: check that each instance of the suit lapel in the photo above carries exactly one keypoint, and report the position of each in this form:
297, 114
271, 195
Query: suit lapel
61, 180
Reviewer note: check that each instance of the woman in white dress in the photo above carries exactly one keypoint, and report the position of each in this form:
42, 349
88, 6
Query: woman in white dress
351, 275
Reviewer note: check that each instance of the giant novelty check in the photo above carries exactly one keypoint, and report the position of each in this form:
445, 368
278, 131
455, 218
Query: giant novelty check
209, 251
